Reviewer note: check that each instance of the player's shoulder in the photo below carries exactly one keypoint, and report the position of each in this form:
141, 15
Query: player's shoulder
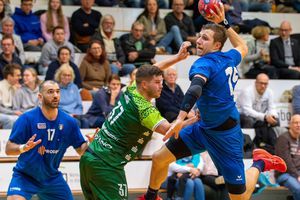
65, 116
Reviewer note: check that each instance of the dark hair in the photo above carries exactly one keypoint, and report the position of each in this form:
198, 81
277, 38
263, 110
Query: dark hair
219, 33
90, 58
57, 27
9, 69
62, 48
8, 37
146, 72
26, 0
114, 77
146, 12
2, 14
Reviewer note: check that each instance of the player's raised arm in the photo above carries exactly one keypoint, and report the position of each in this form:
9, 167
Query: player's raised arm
17, 149
181, 55
219, 18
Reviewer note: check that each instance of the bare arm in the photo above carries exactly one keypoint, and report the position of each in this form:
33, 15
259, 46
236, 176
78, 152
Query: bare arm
181, 55
80, 150
17, 149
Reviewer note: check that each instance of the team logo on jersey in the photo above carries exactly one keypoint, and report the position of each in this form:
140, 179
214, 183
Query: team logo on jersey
41, 125
60, 127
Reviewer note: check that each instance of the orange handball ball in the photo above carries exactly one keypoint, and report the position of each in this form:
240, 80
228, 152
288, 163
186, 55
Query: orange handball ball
205, 7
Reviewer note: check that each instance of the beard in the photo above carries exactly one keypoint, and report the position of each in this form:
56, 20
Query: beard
51, 103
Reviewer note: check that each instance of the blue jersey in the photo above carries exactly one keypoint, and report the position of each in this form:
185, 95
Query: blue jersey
42, 162
216, 103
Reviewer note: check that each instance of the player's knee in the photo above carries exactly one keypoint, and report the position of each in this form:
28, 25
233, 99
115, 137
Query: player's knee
158, 159
236, 188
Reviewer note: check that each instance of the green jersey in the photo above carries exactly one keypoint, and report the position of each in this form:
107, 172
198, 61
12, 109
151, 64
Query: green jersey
127, 129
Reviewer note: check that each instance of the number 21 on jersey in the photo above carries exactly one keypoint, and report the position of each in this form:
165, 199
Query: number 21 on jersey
233, 74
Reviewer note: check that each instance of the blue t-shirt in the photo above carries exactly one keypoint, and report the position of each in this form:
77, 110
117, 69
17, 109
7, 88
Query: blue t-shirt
42, 162
216, 103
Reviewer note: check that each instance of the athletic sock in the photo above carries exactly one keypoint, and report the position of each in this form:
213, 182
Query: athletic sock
259, 164
151, 194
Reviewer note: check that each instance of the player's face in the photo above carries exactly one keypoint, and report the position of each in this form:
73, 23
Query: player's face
50, 96
154, 87
205, 42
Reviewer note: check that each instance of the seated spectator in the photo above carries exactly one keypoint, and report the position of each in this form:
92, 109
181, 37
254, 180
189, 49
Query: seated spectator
113, 48
94, 68
26, 97
287, 147
155, 29
296, 100
103, 102
258, 58
63, 57
171, 97
138, 50
3, 12
285, 54
8, 29
27, 25
287, 6
70, 100
183, 176
84, 22
8, 87
185, 23
52, 18
8, 55
49, 50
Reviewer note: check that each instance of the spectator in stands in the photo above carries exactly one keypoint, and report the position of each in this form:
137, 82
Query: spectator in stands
155, 29
28, 26
49, 50
259, 6
258, 58
8, 55
287, 147
137, 48
103, 102
84, 22
113, 48
256, 104
184, 174
63, 57
141, 3
70, 101
26, 97
8, 87
8, 29
210, 177
3, 12
296, 99
171, 97
285, 54
183, 21
52, 18
94, 68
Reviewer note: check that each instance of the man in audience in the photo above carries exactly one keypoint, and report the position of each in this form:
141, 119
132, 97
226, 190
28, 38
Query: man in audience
114, 51
8, 29
137, 49
183, 21
285, 54
287, 147
8, 55
8, 87
28, 26
171, 97
84, 22
49, 51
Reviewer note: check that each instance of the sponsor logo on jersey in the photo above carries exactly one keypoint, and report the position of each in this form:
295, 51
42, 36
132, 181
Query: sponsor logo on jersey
146, 133
60, 127
134, 149
239, 178
14, 189
41, 125
42, 150
128, 157
141, 140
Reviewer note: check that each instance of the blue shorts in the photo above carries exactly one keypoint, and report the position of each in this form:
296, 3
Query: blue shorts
224, 147
52, 189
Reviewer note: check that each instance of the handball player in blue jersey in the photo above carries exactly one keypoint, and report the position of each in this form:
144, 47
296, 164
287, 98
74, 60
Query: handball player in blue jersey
213, 79
41, 137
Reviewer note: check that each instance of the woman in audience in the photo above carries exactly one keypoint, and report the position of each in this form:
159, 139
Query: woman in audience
103, 102
155, 28
258, 58
94, 68
26, 97
53, 17
4, 11
70, 100
63, 57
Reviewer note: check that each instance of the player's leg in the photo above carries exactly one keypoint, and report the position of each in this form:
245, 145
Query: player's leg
21, 187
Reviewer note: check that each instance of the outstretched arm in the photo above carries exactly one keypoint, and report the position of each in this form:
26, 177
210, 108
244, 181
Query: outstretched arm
181, 55
17, 149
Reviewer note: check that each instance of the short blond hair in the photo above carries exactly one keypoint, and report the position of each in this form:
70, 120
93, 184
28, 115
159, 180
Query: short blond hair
61, 69
259, 32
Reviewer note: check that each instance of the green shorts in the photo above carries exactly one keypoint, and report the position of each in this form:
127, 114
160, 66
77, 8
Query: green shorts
101, 181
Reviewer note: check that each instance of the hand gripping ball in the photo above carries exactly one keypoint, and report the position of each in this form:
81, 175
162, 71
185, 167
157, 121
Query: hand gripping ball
205, 7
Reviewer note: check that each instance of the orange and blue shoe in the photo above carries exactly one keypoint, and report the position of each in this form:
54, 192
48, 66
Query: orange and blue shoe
271, 161
143, 198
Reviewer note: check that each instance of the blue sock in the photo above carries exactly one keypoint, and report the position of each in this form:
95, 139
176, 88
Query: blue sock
259, 164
